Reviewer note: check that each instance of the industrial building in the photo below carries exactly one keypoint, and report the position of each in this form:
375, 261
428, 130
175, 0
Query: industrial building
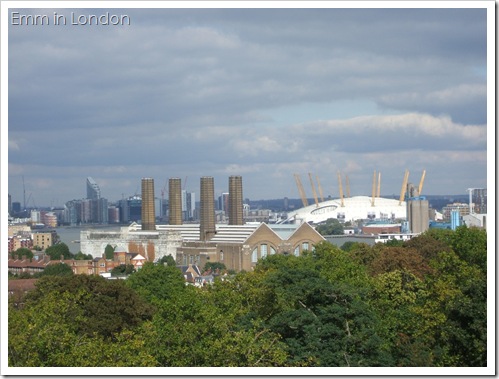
237, 245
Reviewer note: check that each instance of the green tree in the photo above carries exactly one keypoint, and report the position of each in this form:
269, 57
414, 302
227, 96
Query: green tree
82, 257
322, 321
330, 227
56, 251
47, 333
197, 327
458, 293
470, 244
109, 252
155, 281
22, 252
397, 297
58, 269
214, 266
349, 245
123, 270
168, 259
98, 306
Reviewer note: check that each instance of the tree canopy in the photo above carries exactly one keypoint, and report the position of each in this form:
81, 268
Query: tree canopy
58, 250
330, 227
421, 303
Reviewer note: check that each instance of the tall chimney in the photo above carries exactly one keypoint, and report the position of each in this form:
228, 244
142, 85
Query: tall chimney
148, 216
207, 227
236, 200
175, 201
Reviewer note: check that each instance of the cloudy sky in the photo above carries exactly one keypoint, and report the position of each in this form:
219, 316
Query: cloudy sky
262, 93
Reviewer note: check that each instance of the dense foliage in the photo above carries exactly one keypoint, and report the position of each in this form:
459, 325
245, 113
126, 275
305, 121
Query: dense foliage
422, 303
330, 227
58, 251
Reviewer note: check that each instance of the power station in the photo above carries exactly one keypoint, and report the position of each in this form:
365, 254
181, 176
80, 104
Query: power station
239, 245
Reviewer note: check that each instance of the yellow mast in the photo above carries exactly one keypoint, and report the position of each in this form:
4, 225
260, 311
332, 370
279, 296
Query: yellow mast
341, 189
374, 189
320, 188
301, 190
420, 188
348, 185
313, 189
404, 186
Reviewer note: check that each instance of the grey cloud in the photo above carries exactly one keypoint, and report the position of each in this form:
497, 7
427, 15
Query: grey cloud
191, 90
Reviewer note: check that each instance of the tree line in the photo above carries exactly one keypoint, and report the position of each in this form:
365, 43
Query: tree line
418, 303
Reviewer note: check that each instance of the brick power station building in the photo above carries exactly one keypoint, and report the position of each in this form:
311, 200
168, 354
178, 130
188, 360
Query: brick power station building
237, 245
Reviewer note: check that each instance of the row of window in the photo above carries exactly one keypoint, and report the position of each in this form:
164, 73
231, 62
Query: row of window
264, 250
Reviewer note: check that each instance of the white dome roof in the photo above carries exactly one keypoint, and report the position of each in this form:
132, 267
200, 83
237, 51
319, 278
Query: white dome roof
354, 208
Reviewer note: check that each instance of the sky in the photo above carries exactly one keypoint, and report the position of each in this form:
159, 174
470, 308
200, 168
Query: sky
261, 93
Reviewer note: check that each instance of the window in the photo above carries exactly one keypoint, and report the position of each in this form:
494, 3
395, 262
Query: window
254, 255
272, 250
304, 246
297, 251
221, 255
263, 250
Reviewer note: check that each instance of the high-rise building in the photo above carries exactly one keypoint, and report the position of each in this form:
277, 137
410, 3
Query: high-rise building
148, 214
207, 228
190, 205
223, 202
93, 190
175, 201
113, 214
479, 200
235, 200
16, 207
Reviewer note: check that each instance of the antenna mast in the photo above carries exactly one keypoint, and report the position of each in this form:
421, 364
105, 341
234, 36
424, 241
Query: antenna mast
24, 196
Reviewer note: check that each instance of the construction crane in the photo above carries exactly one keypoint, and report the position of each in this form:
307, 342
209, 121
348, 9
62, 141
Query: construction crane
301, 190
420, 188
341, 189
313, 189
404, 186
320, 188
24, 195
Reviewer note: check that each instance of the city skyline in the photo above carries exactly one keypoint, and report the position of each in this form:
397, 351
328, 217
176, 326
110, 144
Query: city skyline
261, 93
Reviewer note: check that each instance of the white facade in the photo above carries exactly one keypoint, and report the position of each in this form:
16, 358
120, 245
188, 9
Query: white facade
354, 208
165, 242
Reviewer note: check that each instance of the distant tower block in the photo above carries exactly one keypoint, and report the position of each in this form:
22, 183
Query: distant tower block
207, 227
148, 216
175, 201
93, 190
236, 200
